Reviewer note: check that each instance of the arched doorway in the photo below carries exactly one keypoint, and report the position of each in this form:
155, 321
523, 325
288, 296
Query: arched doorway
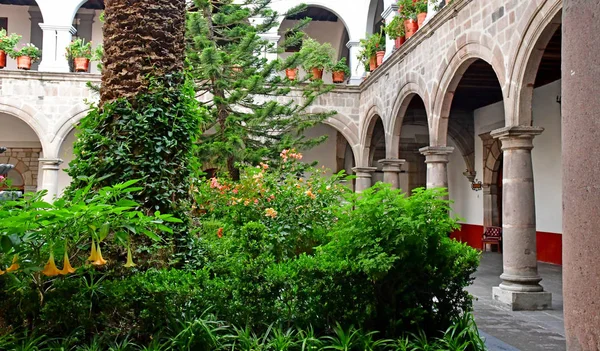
414, 135
23, 151
325, 27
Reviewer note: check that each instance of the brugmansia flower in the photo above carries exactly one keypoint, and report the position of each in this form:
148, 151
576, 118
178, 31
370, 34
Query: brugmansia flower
129, 263
94, 254
50, 269
14, 266
67, 265
99, 260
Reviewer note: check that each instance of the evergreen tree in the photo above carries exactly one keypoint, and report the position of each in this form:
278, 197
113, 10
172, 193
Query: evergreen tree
253, 112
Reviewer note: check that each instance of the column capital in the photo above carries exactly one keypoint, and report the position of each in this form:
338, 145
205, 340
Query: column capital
517, 137
352, 44
57, 27
436, 154
392, 164
391, 10
364, 171
50, 163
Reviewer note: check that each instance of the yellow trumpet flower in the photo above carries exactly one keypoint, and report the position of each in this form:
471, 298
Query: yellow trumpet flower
100, 261
67, 268
1, 271
14, 266
129, 263
50, 269
93, 254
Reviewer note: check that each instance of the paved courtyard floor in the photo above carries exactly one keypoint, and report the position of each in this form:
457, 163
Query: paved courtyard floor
525, 331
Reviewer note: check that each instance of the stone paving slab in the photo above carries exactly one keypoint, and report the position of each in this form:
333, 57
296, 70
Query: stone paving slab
518, 330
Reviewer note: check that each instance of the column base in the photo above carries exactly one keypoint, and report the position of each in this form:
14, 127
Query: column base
521, 301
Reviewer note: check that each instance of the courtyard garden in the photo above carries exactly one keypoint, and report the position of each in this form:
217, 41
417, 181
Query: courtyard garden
145, 251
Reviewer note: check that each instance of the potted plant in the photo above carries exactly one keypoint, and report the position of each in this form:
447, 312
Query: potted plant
339, 71
25, 56
291, 64
421, 11
7, 44
395, 30
316, 57
380, 49
81, 53
408, 11
368, 54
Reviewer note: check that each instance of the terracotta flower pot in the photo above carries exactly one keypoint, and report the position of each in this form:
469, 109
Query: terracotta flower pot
236, 68
24, 62
421, 18
81, 64
2, 59
373, 63
317, 73
411, 26
380, 55
338, 76
399, 41
291, 73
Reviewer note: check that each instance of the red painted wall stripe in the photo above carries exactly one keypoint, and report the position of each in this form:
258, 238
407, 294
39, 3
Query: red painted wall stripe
549, 245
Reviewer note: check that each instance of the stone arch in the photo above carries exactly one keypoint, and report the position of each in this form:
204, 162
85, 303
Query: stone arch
346, 126
341, 13
76, 114
538, 32
476, 47
368, 127
28, 114
372, 14
403, 98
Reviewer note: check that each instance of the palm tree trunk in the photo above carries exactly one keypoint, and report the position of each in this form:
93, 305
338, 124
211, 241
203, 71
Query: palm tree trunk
141, 38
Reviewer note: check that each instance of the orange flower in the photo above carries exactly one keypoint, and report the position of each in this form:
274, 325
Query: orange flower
14, 266
220, 232
310, 194
50, 269
99, 260
67, 268
129, 263
94, 254
270, 212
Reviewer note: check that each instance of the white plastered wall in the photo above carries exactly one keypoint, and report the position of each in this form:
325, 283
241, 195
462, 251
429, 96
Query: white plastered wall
97, 37
18, 23
324, 153
65, 154
546, 156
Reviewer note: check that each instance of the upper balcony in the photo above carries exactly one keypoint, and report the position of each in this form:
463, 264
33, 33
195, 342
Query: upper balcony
341, 23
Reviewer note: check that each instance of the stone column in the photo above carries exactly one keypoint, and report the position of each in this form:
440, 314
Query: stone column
520, 288
50, 169
54, 45
388, 15
391, 171
436, 158
357, 70
272, 38
363, 178
580, 163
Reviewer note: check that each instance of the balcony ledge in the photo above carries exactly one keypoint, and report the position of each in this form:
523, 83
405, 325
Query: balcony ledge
445, 14
49, 76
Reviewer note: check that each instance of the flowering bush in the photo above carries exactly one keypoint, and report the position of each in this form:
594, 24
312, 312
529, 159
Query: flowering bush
28, 50
295, 204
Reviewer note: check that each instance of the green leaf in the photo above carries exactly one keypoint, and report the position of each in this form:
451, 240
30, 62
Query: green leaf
151, 235
103, 233
6, 243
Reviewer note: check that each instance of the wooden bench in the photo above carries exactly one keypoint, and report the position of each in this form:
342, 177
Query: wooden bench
492, 236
